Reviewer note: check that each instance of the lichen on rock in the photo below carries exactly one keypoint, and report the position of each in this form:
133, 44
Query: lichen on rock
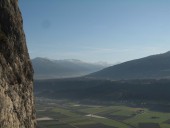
16, 73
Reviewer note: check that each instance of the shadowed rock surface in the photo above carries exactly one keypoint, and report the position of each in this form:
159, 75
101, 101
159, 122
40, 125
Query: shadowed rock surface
16, 73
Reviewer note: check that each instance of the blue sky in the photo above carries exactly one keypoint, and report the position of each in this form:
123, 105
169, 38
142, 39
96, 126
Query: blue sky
96, 30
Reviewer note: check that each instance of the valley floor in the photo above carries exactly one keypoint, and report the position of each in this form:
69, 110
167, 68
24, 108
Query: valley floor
67, 114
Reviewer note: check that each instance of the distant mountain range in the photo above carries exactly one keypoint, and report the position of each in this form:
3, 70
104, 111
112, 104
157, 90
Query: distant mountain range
139, 81
155, 66
47, 69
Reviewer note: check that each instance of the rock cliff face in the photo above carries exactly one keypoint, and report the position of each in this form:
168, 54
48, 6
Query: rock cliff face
16, 73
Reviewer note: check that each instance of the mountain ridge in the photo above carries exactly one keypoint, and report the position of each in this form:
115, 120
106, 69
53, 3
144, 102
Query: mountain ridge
154, 66
47, 68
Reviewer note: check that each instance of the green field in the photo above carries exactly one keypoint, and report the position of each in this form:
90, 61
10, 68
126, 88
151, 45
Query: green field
66, 114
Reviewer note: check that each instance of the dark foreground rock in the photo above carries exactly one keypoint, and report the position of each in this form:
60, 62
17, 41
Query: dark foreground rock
16, 73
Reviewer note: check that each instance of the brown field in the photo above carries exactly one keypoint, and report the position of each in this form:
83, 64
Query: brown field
95, 126
149, 125
167, 122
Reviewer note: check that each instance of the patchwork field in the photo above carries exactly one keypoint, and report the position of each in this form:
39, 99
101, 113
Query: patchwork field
66, 114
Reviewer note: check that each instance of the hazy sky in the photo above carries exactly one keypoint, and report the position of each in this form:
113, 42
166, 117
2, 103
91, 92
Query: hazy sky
96, 30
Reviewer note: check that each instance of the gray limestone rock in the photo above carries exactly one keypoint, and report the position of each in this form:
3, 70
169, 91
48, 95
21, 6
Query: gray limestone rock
16, 73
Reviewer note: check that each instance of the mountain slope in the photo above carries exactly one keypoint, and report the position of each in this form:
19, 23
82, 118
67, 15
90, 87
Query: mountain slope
83, 89
45, 68
155, 66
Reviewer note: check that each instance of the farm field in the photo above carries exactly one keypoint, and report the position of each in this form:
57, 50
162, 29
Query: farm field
66, 114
